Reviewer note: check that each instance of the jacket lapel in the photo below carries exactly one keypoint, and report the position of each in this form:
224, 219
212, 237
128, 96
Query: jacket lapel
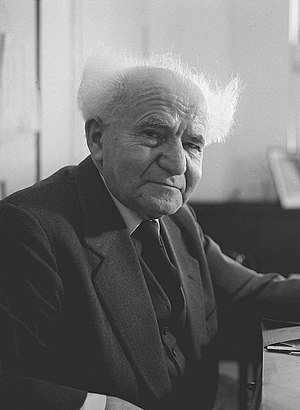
119, 281
189, 271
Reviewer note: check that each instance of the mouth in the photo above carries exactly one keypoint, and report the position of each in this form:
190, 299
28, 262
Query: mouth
166, 185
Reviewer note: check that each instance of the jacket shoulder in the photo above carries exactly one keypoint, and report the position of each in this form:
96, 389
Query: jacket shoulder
52, 202
46, 190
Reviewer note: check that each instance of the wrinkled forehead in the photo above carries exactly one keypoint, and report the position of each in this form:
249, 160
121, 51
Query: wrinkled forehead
162, 90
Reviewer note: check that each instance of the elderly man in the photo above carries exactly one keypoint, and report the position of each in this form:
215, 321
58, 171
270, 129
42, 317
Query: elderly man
108, 283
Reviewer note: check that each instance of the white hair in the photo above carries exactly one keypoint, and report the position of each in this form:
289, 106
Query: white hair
105, 79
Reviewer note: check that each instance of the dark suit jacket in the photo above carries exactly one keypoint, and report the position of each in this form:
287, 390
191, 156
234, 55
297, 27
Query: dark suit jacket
76, 314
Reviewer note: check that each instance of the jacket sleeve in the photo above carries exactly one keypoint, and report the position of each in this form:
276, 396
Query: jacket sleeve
270, 295
22, 393
31, 293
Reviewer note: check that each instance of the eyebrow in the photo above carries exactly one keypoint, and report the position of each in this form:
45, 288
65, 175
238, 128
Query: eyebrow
154, 121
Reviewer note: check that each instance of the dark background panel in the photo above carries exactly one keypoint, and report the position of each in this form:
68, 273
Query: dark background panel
265, 233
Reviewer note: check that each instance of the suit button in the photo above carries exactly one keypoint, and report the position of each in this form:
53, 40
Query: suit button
174, 353
251, 386
165, 330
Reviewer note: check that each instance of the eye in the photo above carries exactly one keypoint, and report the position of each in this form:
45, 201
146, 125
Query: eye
193, 148
152, 137
151, 134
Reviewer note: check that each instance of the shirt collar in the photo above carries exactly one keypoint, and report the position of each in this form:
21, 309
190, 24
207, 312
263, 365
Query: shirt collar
131, 218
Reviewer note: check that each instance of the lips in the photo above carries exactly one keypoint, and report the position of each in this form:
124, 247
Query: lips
168, 185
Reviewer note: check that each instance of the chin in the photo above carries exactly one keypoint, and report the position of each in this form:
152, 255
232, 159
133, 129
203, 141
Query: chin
161, 208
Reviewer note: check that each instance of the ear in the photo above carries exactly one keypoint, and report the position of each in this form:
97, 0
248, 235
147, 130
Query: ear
94, 128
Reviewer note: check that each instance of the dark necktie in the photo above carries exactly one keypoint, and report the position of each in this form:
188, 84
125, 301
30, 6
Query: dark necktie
157, 260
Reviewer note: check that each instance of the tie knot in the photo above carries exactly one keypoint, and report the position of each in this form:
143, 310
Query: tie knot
148, 230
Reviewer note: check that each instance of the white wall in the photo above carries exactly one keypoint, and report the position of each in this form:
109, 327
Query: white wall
259, 53
56, 85
17, 87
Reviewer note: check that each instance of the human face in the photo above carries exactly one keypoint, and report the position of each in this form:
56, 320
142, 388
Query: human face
151, 160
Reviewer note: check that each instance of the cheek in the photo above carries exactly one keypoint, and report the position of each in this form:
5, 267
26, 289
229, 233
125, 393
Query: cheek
125, 167
133, 160
193, 177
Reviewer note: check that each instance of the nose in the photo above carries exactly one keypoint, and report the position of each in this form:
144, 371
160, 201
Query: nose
173, 158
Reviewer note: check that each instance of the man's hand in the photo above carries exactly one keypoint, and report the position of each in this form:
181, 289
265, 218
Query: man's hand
114, 403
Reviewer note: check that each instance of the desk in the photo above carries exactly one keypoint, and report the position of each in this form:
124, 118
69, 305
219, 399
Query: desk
280, 372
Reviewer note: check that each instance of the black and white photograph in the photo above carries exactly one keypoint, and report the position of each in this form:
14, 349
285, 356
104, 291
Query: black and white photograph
149, 204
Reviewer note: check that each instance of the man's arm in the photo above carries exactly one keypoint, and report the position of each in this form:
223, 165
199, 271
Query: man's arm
30, 305
24, 393
271, 295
